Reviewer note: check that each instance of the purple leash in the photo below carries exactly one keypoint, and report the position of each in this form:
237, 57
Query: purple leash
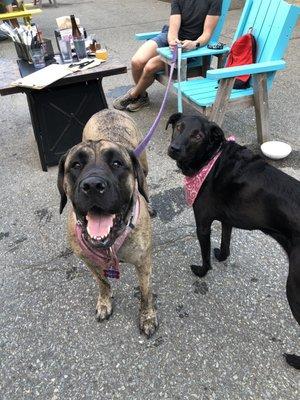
141, 147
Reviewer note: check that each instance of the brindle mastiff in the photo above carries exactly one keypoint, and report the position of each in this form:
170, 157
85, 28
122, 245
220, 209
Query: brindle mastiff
99, 176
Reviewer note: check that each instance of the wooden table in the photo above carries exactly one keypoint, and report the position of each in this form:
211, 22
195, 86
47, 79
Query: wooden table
60, 111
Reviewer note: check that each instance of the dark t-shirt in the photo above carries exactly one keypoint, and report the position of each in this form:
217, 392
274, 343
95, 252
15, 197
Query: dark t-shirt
193, 14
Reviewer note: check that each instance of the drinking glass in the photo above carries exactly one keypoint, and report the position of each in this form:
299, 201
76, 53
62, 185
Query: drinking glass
80, 49
38, 57
102, 54
65, 50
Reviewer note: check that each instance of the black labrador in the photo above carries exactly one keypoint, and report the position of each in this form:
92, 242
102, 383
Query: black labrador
242, 190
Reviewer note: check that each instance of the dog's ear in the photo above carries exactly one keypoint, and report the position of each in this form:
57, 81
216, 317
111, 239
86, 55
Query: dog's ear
60, 182
173, 119
139, 175
216, 135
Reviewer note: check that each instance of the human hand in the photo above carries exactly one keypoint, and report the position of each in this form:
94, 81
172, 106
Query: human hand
189, 45
173, 43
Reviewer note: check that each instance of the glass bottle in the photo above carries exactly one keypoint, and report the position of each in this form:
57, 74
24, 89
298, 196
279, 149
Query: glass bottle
75, 30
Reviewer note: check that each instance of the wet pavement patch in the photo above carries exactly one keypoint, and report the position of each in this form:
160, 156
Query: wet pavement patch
65, 253
44, 215
274, 339
71, 273
200, 287
169, 203
159, 341
118, 91
181, 312
3, 235
16, 243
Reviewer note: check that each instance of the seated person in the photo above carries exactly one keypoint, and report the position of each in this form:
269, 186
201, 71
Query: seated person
191, 23
7, 6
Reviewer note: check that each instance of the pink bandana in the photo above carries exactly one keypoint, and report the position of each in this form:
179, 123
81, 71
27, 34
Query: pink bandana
192, 184
107, 259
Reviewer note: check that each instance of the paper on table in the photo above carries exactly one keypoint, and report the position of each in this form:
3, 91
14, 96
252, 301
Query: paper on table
43, 77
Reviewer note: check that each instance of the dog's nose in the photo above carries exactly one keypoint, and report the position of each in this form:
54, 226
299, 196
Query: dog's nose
93, 184
175, 148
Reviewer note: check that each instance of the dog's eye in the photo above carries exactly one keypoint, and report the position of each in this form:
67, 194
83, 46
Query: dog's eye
197, 135
116, 164
76, 165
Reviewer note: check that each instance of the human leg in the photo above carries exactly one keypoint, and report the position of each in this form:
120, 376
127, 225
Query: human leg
141, 57
154, 65
144, 64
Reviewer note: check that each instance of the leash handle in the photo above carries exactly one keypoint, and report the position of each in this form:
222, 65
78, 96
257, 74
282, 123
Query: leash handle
179, 94
143, 144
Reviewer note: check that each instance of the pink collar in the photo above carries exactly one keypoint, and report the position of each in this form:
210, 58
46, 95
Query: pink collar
192, 184
107, 259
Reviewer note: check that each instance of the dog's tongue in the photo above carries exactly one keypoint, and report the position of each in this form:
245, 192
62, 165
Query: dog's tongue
99, 225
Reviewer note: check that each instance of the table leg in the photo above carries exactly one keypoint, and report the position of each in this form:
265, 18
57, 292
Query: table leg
103, 101
36, 129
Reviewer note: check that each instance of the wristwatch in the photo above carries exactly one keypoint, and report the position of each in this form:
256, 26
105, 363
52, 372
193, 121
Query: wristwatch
197, 45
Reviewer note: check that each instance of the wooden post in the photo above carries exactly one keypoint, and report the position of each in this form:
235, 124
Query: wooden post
206, 65
222, 60
219, 107
261, 106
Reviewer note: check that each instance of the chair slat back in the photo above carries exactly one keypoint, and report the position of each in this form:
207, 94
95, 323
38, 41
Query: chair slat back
248, 8
280, 32
262, 28
219, 27
272, 23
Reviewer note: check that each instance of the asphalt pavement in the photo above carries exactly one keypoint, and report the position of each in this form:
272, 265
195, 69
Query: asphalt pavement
221, 337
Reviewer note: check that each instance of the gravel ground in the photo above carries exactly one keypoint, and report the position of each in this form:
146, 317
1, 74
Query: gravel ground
221, 337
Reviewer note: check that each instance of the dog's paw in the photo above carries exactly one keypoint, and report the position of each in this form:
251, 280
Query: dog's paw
200, 270
293, 360
104, 309
148, 323
219, 256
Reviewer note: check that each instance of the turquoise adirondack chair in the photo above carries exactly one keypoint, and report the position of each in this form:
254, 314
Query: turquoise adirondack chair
272, 23
201, 56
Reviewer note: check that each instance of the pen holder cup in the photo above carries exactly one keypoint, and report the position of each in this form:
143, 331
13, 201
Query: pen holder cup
23, 50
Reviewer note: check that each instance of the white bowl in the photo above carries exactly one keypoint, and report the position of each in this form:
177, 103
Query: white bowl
275, 149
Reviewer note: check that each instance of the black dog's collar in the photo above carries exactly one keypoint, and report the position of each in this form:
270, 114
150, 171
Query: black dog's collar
193, 184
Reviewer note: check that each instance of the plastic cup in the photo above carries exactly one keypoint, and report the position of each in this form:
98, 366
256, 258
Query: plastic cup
80, 49
102, 54
65, 50
38, 57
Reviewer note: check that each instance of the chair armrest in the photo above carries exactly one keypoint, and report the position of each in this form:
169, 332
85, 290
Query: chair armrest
146, 35
258, 68
19, 14
202, 51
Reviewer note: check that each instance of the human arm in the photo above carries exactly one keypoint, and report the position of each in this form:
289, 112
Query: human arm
210, 23
174, 25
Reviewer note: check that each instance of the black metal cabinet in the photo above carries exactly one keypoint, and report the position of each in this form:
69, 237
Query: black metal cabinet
60, 111
59, 115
